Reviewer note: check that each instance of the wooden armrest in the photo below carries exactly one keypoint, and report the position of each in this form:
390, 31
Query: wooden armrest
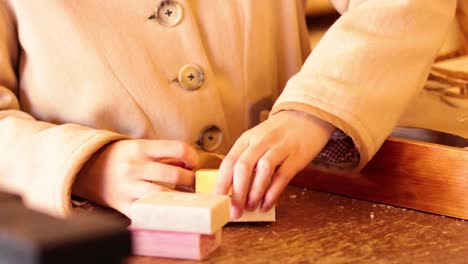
407, 173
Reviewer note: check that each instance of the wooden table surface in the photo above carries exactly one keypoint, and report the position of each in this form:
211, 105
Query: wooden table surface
316, 227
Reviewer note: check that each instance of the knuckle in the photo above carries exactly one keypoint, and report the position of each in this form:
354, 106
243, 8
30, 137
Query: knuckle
183, 150
127, 168
266, 164
261, 141
246, 135
135, 147
190, 179
255, 194
182, 178
243, 165
238, 200
178, 176
240, 143
257, 142
230, 160
173, 176
283, 179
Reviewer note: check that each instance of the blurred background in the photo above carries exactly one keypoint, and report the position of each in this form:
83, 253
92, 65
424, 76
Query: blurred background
452, 58
320, 16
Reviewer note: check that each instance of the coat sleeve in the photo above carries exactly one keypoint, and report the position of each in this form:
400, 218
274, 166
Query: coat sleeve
369, 66
462, 16
38, 160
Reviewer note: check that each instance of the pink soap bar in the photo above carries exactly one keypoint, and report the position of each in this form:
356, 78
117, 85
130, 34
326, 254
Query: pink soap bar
169, 244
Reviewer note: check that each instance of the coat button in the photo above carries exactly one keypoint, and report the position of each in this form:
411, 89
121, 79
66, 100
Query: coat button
191, 77
210, 138
169, 13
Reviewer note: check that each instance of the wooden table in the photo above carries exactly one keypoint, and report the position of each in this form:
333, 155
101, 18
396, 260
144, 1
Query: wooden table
316, 227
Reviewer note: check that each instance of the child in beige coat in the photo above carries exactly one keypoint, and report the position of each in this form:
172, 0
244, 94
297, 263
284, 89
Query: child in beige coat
106, 99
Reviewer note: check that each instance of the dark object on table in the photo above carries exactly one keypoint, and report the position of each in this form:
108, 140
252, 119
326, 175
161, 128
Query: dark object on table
30, 237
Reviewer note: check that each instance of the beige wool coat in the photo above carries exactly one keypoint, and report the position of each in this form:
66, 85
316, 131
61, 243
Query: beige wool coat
77, 74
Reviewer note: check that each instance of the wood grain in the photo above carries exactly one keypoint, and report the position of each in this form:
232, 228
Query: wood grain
317, 227
422, 176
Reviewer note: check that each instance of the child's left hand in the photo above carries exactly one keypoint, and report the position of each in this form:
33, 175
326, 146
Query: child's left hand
274, 151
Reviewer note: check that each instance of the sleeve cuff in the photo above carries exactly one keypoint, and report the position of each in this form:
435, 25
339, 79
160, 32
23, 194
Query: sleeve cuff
339, 153
50, 190
63, 200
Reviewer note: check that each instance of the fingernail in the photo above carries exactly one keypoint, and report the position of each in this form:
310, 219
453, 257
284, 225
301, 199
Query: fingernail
234, 213
265, 207
251, 205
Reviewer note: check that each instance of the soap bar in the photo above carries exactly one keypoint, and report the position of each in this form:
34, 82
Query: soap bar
169, 244
181, 212
205, 181
257, 216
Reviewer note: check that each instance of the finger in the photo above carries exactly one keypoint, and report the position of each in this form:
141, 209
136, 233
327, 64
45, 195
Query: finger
265, 168
226, 169
173, 162
171, 149
160, 172
280, 180
243, 170
141, 189
137, 191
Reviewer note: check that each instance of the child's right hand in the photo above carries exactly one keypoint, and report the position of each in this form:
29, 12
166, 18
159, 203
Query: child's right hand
126, 170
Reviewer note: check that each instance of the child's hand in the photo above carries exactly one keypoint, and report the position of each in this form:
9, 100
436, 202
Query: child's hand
126, 170
274, 151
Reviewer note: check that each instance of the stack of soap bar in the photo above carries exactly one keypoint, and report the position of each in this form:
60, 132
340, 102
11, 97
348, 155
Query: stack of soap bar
169, 244
30, 237
205, 180
178, 225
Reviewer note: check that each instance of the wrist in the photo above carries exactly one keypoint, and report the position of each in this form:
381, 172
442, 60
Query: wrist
87, 181
323, 127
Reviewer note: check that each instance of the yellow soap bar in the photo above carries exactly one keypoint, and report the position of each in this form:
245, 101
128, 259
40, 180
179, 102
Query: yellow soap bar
205, 182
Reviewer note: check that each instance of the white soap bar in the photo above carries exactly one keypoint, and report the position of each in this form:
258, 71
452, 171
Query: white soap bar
181, 212
205, 181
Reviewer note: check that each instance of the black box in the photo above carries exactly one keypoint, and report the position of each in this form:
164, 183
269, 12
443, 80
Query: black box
30, 237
